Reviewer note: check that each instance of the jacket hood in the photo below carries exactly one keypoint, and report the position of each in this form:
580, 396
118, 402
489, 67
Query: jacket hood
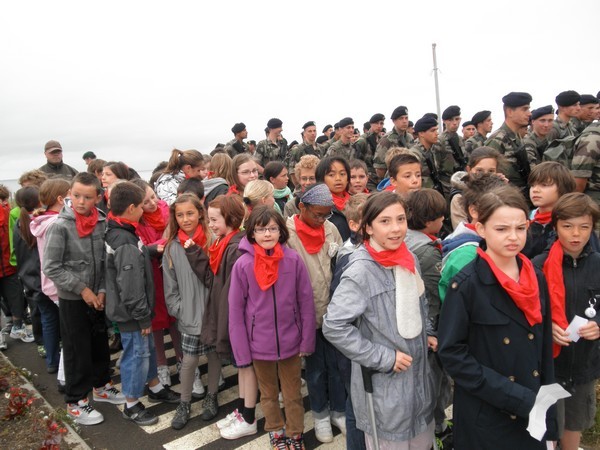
246, 247
40, 224
416, 239
211, 184
456, 180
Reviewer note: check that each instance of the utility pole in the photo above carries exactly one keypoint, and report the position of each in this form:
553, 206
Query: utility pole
437, 87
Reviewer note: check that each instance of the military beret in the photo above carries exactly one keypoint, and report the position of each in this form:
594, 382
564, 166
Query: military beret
587, 99
433, 116
425, 123
89, 155
468, 123
238, 128
542, 111
567, 98
399, 112
336, 126
309, 124
345, 122
410, 124
450, 112
327, 127
291, 144
480, 117
376, 118
598, 95
274, 123
516, 99
251, 142
322, 139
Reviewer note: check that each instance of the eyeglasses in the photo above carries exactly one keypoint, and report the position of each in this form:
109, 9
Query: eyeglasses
308, 179
262, 230
322, 217
248, 172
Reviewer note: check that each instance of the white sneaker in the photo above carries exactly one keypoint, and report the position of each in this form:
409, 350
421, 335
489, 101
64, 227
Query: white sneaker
83, 413
340, 423
227, 420
221, 382
238, 428
22, 333
109, 394
323, 430
3, 345
198, 388
164, 376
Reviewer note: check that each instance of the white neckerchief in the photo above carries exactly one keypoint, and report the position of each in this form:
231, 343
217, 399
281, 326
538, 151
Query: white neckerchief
409, 288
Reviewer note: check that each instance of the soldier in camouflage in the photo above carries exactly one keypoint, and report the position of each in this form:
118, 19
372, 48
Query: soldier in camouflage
585, 166
343, 146
589, 106
273, 148
237, 144
427, 149
468, 130
308, 147
568, 107
336, 137
507, 139
483, 125
398, 137
535, 141
452, 144
366, 146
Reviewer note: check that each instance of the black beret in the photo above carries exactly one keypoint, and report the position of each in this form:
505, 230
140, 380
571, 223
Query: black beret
327, 127
542, 111
410, 124
450, 112
425, 123
598, 95
291, 144
567, 98
399, 111
336, 126
251, 142
345, 122
308, 124
238, 128
89, 155
480, 117
274, 123
468, 123
516, 99
587, 99
433, 116
376, 118
322, 139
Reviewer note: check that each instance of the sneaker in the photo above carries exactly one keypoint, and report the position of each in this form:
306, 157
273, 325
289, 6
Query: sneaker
83, 413
278, 441
239, 428
52, 369
296, 442
182, 415
164, 376
340, 423
41, 351
198, 390
140, 415
323, 430
109, 394
210, 406
165, 395
22, 333
228, 419
61, 387
3, 345
221, 382
6, 329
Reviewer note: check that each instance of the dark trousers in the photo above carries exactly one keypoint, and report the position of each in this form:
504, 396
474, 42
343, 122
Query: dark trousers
50, 329
86, 355
36, 319
11, 290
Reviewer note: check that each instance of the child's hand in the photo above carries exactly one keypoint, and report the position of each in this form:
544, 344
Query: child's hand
160, 248
432, 343
189, 243
146, 331
590, 331
403, 361
560, 336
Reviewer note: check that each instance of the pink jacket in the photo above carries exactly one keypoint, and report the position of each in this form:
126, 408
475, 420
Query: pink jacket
39, 227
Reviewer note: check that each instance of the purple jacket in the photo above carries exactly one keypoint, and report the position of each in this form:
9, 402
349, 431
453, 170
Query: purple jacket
274, 324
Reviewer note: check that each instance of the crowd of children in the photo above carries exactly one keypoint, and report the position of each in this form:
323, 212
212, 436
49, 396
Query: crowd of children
323, 281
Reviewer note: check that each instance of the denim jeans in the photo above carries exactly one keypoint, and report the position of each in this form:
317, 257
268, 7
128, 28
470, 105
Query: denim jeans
50, 329
323, 379
355, 438
138, 363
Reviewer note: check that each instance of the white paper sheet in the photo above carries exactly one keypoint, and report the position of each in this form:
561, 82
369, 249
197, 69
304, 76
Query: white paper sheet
574, 327
547, 396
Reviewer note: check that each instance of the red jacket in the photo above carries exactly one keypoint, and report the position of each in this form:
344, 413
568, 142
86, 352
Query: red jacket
5, 268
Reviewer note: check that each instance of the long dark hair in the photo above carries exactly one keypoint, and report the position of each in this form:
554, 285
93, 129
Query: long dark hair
28, 199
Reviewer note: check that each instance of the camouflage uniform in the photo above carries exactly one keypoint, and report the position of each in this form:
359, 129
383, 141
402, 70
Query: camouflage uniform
391, 139
338, 148
365, 149
419, 151
586, 160
267, 151
234, 147
475, 141
561, 130
535, 146
507, 142
298, 151
579, 125
460, 163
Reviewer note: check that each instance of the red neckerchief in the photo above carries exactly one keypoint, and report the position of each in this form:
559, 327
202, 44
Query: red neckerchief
217, 250
209, 174
85, 224
340, 200
266, 267
366, 191
233, 190
435, 239
312, 238
122, 220
471, 226
525, 293
542, 218
199, 237
388, 258
155, 219
556, 288
390, 188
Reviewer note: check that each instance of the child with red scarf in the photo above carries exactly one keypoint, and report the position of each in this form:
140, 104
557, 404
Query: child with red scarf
317, 241
570, 267
495, 333
334, 171
272, 321
186, 297
151, 231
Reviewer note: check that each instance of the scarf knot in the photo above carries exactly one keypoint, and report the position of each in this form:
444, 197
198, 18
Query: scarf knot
266, 267
389, 258
312, 238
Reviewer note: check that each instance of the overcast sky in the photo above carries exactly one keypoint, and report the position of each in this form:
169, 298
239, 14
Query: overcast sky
132, 80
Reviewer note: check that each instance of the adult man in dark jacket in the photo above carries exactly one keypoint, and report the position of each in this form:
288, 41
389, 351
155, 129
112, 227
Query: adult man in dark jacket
54, 166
